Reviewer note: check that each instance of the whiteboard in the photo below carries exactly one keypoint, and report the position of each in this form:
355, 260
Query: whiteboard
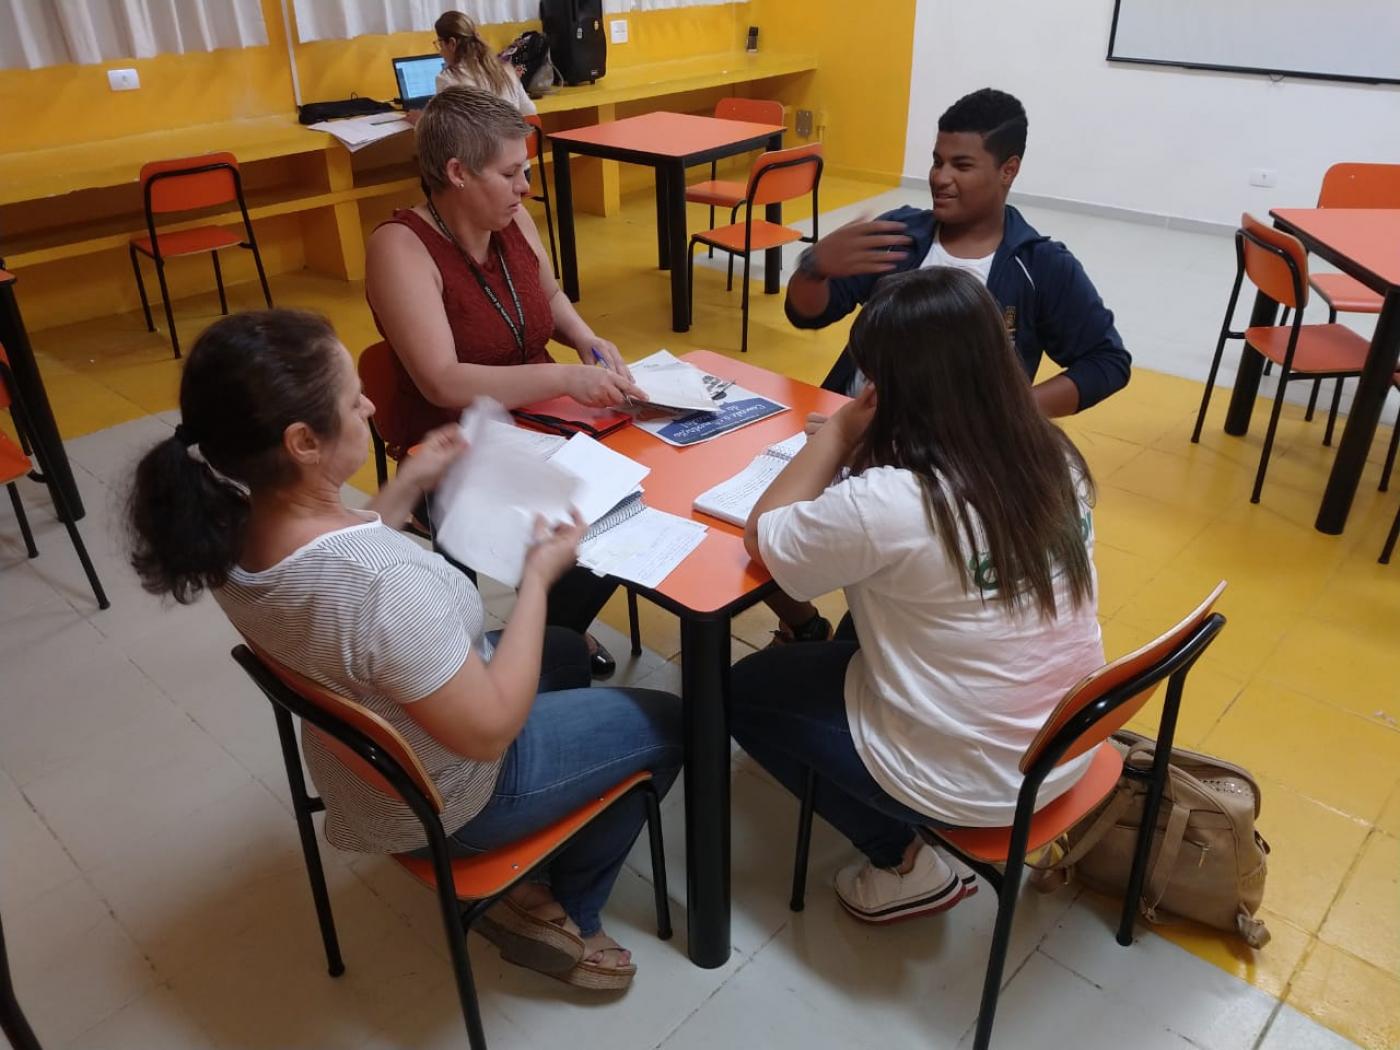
1332, 39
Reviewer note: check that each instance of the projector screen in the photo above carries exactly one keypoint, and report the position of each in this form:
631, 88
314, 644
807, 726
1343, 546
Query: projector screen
1330, 39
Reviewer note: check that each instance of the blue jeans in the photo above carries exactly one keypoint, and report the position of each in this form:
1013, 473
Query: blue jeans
578, 741
789, 713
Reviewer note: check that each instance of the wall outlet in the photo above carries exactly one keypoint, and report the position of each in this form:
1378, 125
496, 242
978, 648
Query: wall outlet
1265, 177
804, 123
123, 79
619, 30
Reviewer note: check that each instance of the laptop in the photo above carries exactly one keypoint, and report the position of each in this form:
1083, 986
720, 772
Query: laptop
417, 78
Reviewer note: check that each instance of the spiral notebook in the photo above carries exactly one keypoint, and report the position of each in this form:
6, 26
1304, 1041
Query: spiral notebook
733, 500
638, 543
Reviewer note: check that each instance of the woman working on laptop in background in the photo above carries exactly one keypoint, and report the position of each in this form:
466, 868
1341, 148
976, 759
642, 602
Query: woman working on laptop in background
470, 62
462, 290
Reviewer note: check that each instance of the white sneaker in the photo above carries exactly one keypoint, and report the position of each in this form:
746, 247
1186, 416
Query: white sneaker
965, 875
881, 895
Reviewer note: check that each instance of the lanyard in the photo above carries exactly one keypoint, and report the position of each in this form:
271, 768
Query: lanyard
515, 324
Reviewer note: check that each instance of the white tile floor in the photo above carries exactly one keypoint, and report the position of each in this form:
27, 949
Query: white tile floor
153, 893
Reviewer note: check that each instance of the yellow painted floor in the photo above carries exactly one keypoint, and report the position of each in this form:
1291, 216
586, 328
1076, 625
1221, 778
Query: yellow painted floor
1302, 687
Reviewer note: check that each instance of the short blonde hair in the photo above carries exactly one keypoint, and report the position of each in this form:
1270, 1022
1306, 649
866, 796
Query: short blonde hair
468, 124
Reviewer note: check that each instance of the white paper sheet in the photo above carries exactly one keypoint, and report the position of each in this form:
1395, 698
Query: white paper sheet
605, 477
644, 549
671, 383
355, 133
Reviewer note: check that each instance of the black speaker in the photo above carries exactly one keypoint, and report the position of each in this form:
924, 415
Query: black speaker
577, 43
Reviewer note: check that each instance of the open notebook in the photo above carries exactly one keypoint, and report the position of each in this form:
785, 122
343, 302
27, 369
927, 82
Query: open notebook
733, 500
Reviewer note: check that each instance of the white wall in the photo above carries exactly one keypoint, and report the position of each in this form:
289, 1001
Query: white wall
1158, 140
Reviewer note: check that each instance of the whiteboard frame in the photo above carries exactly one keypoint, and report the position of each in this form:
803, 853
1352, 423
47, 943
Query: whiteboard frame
1256, 70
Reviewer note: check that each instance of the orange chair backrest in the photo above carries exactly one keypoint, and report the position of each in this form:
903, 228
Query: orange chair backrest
1268, 270
1360, 186
1109, 677
783, 174
532, 140
379, 375
186, 192
753, 110
389, 739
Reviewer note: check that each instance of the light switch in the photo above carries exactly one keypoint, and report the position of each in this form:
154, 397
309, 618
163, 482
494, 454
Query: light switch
619, 30
123, 79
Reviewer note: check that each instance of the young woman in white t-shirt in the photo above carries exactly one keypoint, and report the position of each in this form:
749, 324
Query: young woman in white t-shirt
964, 541
470, 62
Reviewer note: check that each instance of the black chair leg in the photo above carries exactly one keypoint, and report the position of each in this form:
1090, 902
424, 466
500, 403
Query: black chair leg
1210, 378
1390, 455
169, 310
141, 288
302, 807
455, 925
1001, 944
1332, 413
219, 283
12, 1020
262, 274
658, 863
634, 623
1269, 435
1389, 547
1312, 399
23, 520
744, 305
798, 901
89, 571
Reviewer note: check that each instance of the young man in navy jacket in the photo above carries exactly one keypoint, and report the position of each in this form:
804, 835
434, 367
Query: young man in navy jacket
1049, 303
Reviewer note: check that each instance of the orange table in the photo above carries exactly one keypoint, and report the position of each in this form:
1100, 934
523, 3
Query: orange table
714, 582
1365, 244
669, 143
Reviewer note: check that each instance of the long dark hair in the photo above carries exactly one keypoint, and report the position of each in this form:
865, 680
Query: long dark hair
248, 378
953, 402
471, 54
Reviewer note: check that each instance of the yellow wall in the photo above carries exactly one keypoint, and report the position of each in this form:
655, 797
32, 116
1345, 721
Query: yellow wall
864, 61
860, 61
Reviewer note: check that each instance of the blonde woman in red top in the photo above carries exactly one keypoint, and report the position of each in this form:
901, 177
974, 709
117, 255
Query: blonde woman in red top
461, 288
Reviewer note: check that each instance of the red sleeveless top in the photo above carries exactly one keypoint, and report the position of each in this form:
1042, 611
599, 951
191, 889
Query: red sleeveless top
479, 332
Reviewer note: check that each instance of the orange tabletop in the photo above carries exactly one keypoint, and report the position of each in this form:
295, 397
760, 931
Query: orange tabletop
1368, 238
719, 573
667, 134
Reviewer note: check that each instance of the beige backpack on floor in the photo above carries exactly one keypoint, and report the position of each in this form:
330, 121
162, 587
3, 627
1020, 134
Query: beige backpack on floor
1207, 862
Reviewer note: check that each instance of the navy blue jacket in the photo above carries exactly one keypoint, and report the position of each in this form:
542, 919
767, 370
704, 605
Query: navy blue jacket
1050, 305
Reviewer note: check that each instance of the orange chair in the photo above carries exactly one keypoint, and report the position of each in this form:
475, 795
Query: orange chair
379, 375
1348, 186
378, 754
1081, 723
724, 193
185, 185
15, 464
1277, 264
781, 175
534, 150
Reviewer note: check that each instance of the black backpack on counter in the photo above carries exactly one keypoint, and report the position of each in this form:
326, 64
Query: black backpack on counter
574, 29
529, 54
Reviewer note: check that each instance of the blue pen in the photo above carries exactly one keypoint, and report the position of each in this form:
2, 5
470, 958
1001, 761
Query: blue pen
599, 359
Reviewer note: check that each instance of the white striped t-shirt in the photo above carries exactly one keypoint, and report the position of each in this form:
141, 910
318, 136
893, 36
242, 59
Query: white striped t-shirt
367, 613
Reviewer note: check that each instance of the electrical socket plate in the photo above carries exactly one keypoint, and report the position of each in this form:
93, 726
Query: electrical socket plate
619, 30
804, 123
123, 79
1265, 177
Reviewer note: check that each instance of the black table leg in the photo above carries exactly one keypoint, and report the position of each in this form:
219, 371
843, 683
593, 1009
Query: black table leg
29, 386
1365, 413
673, 174
773, 257
705, 695
1251, 367
663, 221
564, 218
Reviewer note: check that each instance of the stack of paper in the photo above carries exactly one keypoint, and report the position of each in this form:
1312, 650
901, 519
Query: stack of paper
356, 133
733, 500
645, 548
672, 384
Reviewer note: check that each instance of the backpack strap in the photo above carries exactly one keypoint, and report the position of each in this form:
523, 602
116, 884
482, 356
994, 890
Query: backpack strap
1161, 874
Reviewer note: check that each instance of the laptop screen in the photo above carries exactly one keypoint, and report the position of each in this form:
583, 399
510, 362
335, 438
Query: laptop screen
417, 75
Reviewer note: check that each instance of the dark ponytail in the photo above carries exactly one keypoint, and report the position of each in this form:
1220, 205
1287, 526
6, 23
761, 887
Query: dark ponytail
249, 377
